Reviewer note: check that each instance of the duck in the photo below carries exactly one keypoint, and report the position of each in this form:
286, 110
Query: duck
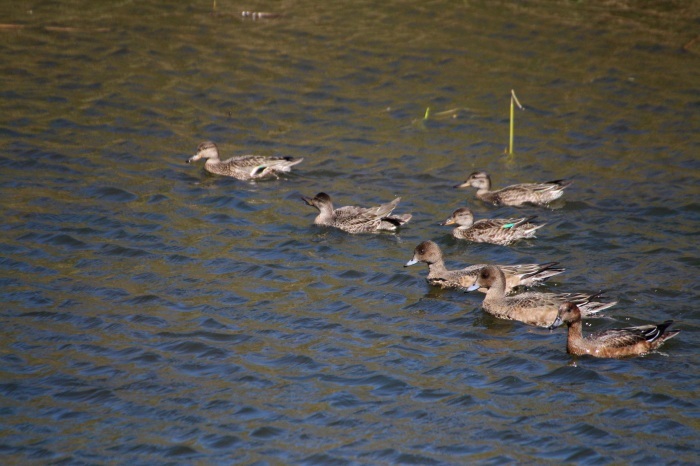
516, 275
539, 194
532, 307
501, 231
245, 167
354, 219
612, 343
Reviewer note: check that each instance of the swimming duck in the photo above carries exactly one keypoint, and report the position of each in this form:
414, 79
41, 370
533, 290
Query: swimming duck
503, 231
517, 194
613, 343
516, 275
246, 167
353, 219
532, 307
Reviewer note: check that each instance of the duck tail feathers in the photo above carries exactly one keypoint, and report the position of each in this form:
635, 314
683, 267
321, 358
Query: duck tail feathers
398, 220
544, 272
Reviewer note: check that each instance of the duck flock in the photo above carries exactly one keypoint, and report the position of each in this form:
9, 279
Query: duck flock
498, 282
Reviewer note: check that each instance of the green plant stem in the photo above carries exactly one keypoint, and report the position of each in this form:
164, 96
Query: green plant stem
512, 122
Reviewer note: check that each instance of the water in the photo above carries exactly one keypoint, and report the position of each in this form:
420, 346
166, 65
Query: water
155, 314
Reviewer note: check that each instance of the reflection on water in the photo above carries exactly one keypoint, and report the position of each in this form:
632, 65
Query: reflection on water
155, 313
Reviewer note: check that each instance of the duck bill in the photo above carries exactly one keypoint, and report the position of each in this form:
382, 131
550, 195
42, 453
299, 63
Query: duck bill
308, 200
473, 287
557, 322
461, 185
194, 158
449, 221
411, 262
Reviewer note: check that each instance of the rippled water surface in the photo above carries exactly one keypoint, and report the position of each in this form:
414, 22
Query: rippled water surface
153, 313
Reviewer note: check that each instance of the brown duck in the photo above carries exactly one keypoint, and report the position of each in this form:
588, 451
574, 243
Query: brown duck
354, 219
517, 194
613, 343
246, 167
502, 231
516, 275
532, 307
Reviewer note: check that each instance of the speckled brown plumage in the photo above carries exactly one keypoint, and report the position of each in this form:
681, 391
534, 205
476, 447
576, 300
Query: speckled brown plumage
354, 219
612, 343
516, 275
517, 194
532, 307
502, 231
246, 167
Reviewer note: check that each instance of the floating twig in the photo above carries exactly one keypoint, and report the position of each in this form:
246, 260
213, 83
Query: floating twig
259, 15
453, 113
690, 43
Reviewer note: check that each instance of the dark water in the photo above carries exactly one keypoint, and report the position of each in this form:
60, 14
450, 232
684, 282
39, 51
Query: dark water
155, 314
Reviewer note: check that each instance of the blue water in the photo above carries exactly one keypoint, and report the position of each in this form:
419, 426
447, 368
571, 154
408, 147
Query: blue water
156, 314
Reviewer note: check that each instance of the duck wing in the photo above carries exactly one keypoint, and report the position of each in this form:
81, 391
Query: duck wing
532, 274
628, 336
502, 231
257, 166
358, 216
619, 338
251, 161
536, 193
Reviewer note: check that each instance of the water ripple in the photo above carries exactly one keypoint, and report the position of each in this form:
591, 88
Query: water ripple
110, 193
